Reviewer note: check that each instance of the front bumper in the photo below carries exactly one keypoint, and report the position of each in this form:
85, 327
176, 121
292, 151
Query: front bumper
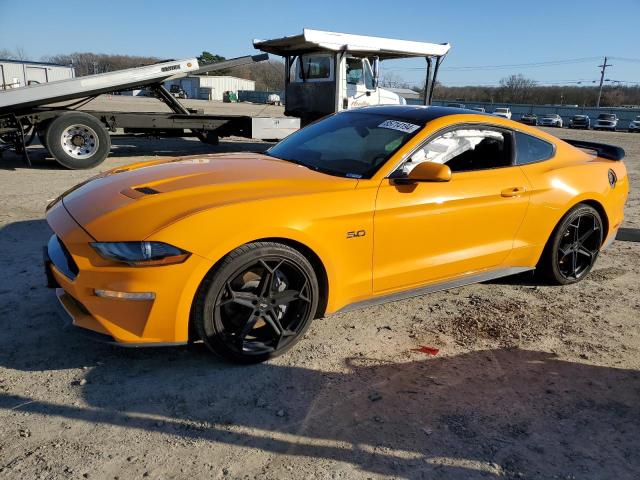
163, 320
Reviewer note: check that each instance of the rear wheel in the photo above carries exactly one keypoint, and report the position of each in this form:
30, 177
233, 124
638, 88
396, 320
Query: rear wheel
257, 303
573, 247
77, 140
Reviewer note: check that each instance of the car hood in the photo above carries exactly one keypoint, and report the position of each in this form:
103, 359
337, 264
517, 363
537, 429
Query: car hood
132, 202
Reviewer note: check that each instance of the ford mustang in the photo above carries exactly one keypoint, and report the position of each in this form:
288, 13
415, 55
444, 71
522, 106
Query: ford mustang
243, 250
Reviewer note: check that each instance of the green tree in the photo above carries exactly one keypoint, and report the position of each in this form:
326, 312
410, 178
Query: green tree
207, 58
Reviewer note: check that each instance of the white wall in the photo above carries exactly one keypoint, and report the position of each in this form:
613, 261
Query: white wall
219, 85
25, 72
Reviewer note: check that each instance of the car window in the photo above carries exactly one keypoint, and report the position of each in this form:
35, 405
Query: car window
354, 71
530, 149
465, 150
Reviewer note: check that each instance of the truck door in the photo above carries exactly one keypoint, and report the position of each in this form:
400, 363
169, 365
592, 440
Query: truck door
359, 83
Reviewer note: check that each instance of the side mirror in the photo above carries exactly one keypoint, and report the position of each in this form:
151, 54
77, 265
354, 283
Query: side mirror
375, 69
427, 172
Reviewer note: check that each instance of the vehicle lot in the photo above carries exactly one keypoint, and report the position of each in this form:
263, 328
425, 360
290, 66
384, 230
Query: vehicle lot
530, 381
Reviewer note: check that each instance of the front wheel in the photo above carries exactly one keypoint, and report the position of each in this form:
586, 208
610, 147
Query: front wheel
77, 140
573, 247
257, 303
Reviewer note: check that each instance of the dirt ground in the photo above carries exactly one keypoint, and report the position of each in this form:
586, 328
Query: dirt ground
530, 381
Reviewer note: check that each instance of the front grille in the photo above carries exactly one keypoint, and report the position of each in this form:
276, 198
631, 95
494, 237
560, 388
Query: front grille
61, 258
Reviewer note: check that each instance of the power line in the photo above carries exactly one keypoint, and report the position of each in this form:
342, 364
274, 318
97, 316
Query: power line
505, 66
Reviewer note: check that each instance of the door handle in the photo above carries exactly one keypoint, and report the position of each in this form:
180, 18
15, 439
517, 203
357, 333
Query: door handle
513, 191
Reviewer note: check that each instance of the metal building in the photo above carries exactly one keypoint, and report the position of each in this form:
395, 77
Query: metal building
20, 73
209, 87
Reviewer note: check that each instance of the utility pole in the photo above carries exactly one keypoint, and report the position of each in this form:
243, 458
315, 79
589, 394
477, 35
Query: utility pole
604, 68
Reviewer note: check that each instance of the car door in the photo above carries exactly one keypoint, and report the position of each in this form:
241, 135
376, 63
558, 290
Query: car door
431, 231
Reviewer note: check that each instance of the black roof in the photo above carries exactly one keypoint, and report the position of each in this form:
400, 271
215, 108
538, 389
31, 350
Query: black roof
414, 113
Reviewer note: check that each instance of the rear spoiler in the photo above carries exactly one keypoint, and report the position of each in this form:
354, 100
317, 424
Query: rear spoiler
610, 152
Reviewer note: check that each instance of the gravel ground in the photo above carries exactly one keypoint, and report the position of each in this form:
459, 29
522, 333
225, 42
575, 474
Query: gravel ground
530, 381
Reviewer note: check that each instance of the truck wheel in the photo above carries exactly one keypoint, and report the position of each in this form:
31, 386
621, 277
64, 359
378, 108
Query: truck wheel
77, 140
211, 138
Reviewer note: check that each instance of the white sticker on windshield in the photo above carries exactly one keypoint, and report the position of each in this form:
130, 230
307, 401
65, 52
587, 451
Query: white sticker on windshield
400, 126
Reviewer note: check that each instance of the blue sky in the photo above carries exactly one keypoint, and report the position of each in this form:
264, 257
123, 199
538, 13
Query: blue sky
482, 33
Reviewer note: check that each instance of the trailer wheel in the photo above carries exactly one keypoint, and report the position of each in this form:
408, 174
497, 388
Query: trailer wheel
77, 140
211, 138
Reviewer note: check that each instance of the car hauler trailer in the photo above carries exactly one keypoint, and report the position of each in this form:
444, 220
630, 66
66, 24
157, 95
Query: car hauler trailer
326, 72
80, 139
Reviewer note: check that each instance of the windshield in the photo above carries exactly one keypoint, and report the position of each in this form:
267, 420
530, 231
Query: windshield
604, 116
349, 144
502, 110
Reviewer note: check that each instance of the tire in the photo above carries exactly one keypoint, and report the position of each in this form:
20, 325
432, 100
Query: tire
77, 140
573, 247
256, 303
211, 138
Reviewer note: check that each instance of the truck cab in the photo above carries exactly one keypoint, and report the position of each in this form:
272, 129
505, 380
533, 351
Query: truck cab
356, 79
326, 72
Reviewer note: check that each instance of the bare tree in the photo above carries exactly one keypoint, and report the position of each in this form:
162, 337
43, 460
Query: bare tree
516, 88
87, 63
269, 75
16, 54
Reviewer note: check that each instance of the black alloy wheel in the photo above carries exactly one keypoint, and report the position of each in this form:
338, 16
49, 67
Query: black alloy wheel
258, 303
574, 246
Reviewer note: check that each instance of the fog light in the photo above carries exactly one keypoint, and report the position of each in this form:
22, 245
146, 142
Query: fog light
125, 295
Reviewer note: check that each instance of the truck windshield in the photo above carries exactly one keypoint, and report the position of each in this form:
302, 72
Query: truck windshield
349, 144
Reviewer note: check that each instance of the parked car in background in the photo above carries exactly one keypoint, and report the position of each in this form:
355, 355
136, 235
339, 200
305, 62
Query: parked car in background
550, 120
580, 121
478, 109
456, 105
177, 91
634, 126
606, 121
503, 112
274, 99
529, 119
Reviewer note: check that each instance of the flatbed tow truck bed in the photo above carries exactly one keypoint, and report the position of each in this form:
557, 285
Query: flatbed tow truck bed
67, 117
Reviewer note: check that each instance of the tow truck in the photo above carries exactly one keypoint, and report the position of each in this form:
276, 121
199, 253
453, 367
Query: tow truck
80, 139
326, 72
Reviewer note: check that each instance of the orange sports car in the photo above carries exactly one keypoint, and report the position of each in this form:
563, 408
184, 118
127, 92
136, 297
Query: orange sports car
243, 250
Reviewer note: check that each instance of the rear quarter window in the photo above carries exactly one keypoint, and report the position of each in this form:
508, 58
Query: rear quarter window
530, 149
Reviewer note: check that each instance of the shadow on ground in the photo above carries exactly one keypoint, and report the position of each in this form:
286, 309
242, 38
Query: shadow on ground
490, 413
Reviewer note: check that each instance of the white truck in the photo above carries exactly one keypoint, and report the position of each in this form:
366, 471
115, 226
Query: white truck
326, 72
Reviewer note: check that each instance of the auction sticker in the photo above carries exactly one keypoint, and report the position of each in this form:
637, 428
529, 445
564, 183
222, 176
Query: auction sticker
400, 126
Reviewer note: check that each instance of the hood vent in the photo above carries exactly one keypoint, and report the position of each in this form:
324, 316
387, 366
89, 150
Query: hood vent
146, 190
139, 192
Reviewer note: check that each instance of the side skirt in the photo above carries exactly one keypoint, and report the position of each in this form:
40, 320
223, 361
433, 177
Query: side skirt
436, 287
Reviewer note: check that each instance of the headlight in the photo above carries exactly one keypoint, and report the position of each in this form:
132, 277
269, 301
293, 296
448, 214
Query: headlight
141, 254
